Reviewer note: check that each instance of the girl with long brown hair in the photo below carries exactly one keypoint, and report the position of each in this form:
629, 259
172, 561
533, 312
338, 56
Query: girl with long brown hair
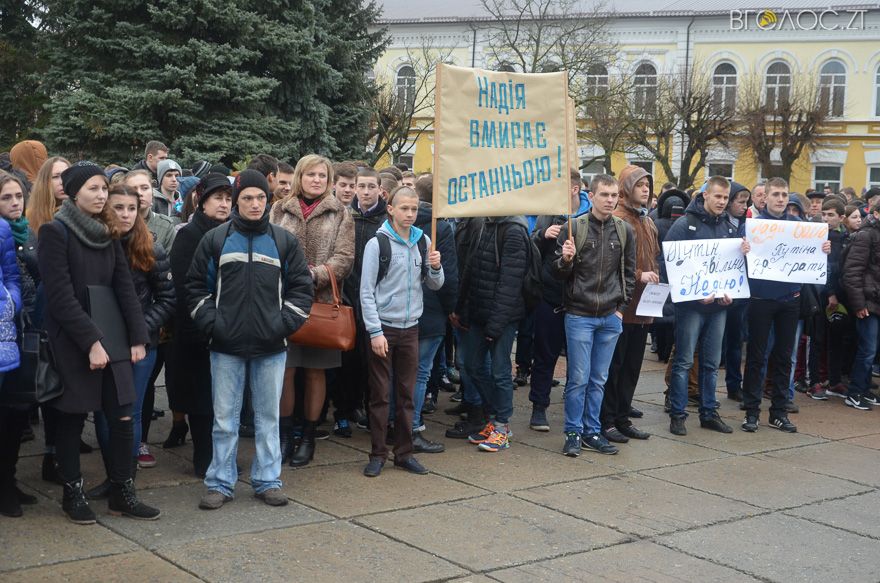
47, 193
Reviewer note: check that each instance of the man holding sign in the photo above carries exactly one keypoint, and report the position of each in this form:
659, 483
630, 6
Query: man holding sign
775, 305
700, 321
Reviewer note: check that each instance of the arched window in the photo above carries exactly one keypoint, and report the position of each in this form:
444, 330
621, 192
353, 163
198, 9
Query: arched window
832, 88
777, 84
724, 87
406, 86
597, 80
877, 92
645, 88
506, 67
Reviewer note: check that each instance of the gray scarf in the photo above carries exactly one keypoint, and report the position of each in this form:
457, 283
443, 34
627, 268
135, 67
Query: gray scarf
91, 232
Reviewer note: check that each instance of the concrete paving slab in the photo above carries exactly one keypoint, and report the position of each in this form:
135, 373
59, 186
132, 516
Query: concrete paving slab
182, 521
127, 568
316, 553
473, 579
776, 548
855, 513
520, 466
840, 460
507, 531
739, 442
43, 536
656, 452
870, 441
832, 419
630, 503
343, 491
766, 484
641, 561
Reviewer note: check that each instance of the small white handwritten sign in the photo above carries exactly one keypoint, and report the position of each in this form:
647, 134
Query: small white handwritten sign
789, 251
698, 269
653, 298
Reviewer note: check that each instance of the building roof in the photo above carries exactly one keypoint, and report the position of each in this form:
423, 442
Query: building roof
407, 11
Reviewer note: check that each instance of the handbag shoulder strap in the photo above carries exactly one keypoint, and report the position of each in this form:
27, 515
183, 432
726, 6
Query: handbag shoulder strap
337, 299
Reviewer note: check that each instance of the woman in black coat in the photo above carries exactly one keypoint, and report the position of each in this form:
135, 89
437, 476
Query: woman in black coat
79, 249
188, 362
151, 275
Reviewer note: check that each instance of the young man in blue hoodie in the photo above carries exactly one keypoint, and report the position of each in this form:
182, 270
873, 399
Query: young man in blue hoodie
775, 305
391, 304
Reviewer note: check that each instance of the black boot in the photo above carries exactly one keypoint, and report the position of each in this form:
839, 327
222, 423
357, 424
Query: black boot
476, 419
285, 436
177, 437
123, 502
100, 491
50, 469
305, 451
74, 504
9, 503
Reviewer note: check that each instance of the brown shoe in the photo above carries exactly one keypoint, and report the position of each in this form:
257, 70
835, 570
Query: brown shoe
273, 497
213, 500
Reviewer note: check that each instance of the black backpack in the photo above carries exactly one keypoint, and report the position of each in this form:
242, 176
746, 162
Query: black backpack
533, 283
385, 255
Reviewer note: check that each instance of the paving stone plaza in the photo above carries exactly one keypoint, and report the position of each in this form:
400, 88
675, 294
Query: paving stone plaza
704, 507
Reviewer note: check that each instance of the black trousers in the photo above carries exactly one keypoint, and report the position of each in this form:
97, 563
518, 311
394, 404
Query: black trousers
783, 317
549, 339
623, 375
351, 388
12, 424
524, 340
69, 432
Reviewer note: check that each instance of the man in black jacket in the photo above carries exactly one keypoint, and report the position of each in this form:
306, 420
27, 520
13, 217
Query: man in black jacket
598, 267
249, 288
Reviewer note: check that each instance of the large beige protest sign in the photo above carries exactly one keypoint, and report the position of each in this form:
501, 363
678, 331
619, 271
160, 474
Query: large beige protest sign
501, 143
789, 251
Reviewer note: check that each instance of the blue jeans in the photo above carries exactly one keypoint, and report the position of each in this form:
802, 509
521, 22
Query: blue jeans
860, 375
591, 343
693, 326
141, 372
494, 383
427, 351
266, 375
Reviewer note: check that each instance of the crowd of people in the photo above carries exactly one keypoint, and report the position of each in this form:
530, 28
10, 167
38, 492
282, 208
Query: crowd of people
214, 273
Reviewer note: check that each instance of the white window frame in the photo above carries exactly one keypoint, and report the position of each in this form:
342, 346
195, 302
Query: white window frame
724, 93
406, 85
872, 183
709, 165
588, 173
820, 185
645, 88
832, 89
877, 92
762, 177
407, 159
781, 80
646, 164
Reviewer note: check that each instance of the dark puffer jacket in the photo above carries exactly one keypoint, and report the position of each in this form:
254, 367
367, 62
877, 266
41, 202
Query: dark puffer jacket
593, 283
839, 240
491, 289
861, 270
667, 206
366, 223
155, 290
439, 304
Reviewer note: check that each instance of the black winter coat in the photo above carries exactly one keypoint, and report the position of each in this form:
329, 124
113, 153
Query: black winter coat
155, 291
71, 331
491, 287
439, 304
29, 271
249, 287
552, 289
833, 286
861, 270
366, 223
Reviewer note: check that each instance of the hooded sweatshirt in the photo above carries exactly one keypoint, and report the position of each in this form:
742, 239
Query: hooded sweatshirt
397, 300
645, 231
28, 156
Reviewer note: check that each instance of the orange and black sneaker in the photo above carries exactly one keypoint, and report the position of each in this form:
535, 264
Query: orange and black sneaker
483, 435
496, 441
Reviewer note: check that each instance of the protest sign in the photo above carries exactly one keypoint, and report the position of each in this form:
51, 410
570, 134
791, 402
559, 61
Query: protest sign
789, 251
698, 269
652, 301
501, 143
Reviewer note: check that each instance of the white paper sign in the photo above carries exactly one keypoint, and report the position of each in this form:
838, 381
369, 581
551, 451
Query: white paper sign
789, 251
653, 298
697, 269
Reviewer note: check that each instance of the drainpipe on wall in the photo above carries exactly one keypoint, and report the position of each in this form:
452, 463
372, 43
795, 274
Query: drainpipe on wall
474, 50
687, 84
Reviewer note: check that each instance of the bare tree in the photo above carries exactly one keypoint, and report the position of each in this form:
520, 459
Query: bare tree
535, 36
608, 119
402, 106
785, 115
682, 121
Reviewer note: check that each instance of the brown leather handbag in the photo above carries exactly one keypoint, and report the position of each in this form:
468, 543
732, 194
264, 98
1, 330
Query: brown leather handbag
329, 326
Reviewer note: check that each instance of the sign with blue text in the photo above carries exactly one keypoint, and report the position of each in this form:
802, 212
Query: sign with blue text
697, 269
501, 143
789, 251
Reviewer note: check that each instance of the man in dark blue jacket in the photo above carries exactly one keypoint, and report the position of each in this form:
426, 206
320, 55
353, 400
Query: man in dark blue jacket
249, 288
700, 322
775, 305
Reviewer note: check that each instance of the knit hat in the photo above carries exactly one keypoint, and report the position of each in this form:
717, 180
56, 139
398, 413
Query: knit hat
220, 169
164, 166
186, 185
201, 168
111, 172
246, 179
816, 194
210, 182
75, 176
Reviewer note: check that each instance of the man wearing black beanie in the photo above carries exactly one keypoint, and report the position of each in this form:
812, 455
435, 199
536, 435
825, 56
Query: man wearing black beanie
266, 296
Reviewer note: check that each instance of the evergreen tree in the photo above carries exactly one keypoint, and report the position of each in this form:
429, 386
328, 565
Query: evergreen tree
21, 97
128, 71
